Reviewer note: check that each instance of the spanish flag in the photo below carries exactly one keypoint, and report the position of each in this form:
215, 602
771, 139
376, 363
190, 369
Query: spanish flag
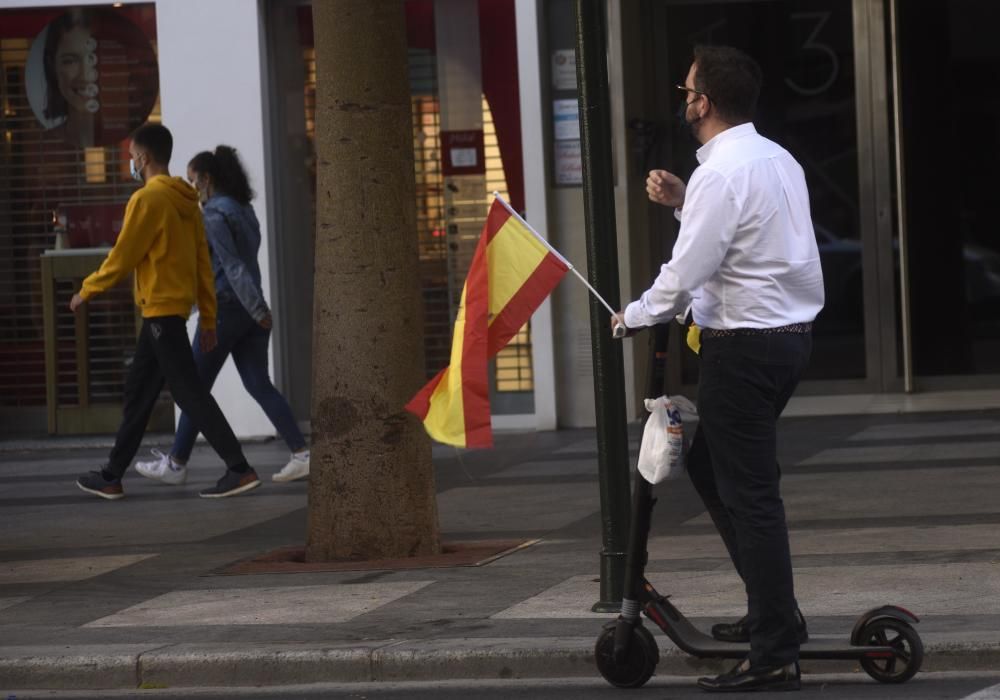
512, 271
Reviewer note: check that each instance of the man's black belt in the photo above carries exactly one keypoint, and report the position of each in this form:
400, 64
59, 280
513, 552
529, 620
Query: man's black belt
728, 332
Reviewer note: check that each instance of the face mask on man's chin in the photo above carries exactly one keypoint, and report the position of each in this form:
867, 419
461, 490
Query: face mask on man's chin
683, 124
134, 171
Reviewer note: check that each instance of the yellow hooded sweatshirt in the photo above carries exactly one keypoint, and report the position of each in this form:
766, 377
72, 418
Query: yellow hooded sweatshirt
163, 240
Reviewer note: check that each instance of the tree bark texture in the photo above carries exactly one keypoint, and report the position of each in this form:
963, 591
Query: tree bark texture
371, 485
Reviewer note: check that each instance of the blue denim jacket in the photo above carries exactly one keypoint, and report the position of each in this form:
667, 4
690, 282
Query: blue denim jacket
234, 238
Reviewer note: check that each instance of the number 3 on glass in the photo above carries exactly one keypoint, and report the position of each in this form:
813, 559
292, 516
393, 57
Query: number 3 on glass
818, 21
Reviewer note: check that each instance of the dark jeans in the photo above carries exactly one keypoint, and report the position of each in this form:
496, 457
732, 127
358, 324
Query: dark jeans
745, 383
163, 354
243, 338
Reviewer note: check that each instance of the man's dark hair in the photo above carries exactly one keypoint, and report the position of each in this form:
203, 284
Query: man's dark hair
731, 79
156, 139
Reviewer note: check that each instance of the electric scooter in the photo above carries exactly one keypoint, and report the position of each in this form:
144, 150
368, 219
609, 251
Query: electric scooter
883, 640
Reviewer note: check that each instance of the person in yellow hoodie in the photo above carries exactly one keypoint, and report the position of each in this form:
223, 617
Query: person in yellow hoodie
163, 242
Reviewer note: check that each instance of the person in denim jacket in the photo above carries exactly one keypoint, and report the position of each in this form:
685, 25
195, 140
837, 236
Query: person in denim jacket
244, 319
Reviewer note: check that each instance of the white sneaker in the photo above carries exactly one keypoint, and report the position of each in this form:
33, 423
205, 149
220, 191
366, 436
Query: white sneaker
163, 468
297, 468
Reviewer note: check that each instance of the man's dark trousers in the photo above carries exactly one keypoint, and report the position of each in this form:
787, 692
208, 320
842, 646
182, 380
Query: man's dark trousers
745, 383
163, 354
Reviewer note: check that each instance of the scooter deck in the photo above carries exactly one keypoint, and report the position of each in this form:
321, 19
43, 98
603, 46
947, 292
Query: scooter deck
692, 640
699, 644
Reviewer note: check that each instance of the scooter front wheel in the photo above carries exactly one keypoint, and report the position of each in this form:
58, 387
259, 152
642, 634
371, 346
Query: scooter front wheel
639, 663
888, 632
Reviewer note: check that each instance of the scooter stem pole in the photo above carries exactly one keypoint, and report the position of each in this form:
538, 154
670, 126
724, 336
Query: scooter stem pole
642, 510
635, 563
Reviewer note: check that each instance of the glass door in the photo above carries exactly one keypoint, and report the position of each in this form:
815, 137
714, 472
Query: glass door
809, 105
949, 145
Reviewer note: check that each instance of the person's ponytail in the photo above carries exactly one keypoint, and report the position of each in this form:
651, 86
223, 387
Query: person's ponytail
230, 177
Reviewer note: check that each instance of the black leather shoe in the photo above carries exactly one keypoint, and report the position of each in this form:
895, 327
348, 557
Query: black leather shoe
744, 678
739, 631
732, 631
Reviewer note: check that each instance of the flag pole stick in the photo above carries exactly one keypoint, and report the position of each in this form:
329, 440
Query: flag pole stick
554, 252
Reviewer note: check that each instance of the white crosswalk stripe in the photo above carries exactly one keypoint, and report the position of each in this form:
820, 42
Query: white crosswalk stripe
991, 693
261, 606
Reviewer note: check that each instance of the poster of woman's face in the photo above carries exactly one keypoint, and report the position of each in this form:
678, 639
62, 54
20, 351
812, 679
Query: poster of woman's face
91, 77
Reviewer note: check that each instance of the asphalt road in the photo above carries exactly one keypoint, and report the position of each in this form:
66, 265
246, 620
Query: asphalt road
927, 686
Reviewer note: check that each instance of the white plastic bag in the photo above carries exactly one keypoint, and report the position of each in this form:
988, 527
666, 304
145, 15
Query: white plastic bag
661, 454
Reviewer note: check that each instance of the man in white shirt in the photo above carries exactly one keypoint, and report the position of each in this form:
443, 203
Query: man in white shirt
747, 265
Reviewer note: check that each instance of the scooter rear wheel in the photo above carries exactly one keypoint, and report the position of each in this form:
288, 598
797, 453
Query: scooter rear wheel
639, 664
900, 636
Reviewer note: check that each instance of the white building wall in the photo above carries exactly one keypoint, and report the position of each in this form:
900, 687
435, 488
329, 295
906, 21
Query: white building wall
211, 92
529, 70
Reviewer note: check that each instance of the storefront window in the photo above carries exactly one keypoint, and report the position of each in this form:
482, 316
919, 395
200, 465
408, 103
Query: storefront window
74, 83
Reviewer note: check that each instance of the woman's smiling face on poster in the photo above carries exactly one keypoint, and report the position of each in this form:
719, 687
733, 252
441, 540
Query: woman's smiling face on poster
76, 68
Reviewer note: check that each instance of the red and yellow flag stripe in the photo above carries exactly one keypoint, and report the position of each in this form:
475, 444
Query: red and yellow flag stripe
511, 274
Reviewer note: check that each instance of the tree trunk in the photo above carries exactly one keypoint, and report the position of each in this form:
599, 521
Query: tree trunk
371, 486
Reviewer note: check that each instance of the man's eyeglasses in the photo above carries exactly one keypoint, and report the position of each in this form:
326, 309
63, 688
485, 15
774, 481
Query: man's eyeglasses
697, 92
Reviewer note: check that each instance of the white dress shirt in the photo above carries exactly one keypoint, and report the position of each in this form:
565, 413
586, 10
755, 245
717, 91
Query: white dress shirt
746, 253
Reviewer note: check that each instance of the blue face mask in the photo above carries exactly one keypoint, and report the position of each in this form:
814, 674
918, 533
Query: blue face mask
136, 173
